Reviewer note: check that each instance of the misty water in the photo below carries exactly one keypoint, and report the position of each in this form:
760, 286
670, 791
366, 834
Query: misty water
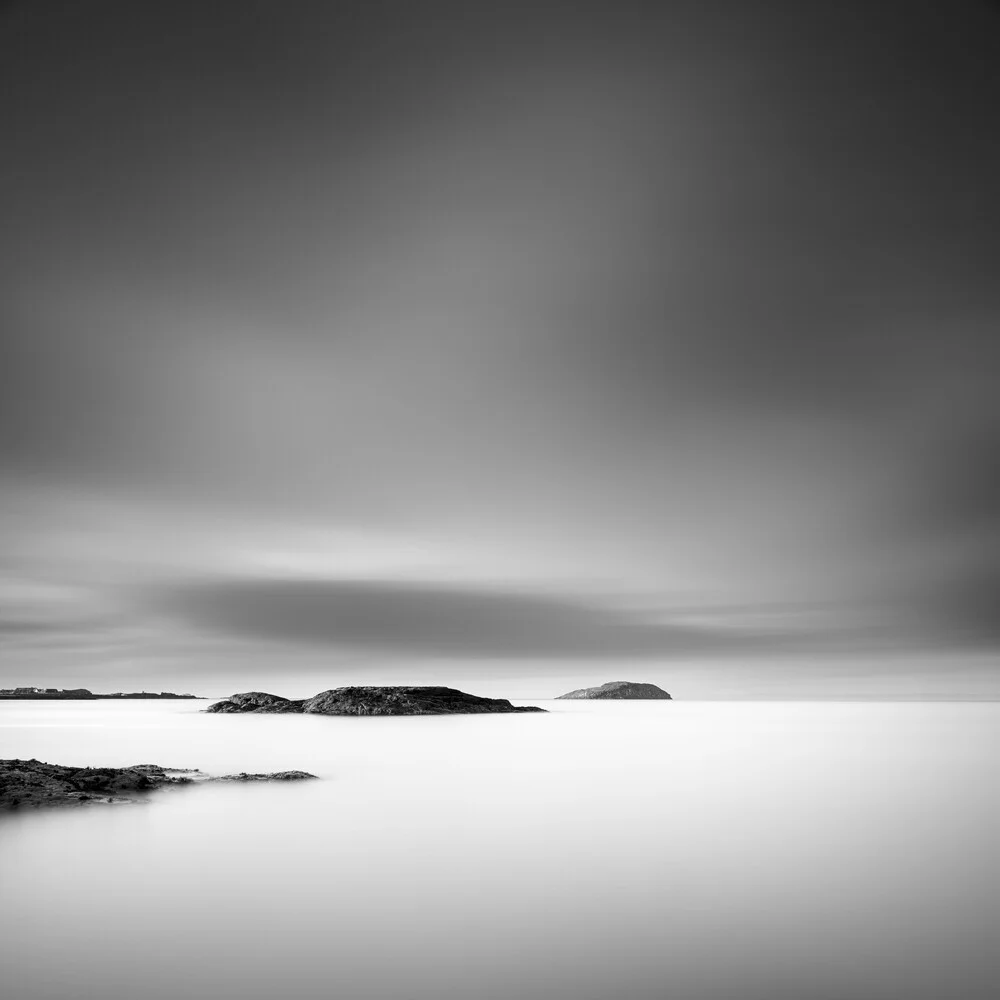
664, 849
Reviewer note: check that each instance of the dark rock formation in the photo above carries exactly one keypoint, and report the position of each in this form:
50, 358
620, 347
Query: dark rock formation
620, 689
256, 701
406, 701
373, 701
34, 783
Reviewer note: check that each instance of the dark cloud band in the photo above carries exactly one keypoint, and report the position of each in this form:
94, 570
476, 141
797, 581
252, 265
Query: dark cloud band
427, 620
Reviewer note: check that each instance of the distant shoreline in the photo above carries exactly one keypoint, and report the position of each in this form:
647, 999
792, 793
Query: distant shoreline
82, 694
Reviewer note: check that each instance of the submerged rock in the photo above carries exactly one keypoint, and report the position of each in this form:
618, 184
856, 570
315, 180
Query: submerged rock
365, 700
620, 689
32, 783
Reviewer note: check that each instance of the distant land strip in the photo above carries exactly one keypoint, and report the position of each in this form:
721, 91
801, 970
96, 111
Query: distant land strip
80, 694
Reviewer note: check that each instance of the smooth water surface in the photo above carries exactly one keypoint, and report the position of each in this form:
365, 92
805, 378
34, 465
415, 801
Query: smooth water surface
697, 851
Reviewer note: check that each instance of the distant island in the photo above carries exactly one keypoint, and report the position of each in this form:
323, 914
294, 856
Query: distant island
79, 694
627, 690
371, 701
33, 783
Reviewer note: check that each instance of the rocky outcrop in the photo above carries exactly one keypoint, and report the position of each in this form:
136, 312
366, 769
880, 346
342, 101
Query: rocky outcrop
406, 701
32, 783
256, 701
365, 700
628, 690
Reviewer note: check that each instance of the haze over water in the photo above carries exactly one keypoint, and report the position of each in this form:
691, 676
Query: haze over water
705, 851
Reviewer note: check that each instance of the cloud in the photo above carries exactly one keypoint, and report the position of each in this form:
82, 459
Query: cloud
432, 620
478, 622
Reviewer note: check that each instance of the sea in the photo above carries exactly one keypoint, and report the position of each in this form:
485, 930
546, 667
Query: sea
600, 851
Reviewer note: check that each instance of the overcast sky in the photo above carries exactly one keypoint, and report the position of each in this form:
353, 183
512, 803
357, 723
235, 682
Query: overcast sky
503, 345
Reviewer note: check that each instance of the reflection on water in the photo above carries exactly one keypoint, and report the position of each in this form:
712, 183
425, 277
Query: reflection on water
697, 851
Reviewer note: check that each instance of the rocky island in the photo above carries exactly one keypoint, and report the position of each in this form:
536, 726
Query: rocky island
628, 690
371, 701
79, 694
33, 783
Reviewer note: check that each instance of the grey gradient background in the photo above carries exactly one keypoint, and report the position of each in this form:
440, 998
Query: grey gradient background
503, 345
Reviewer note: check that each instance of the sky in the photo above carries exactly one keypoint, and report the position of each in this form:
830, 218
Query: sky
512, 346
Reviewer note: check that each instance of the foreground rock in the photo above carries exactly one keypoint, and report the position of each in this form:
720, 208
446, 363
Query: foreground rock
620, 689
373, 701
31, 783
